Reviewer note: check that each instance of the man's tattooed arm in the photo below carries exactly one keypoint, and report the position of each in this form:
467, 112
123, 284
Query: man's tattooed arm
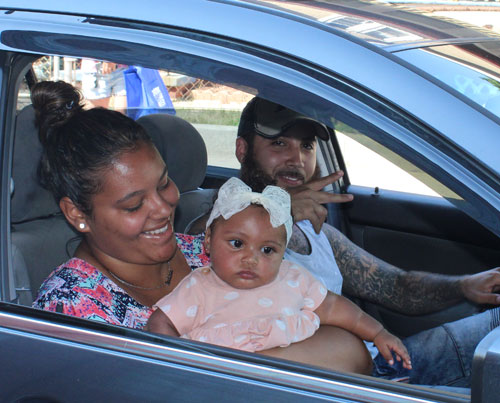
299, 242
368, 277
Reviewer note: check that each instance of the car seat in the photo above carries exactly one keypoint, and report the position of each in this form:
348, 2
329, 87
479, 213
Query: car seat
41, 237
185, 154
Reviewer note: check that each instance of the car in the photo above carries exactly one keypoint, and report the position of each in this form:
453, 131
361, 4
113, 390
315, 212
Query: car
412, 105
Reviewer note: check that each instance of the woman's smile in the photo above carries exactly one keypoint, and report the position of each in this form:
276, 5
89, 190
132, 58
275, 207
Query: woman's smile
158, 232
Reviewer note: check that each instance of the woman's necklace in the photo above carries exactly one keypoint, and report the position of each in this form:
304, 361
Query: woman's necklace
166, 283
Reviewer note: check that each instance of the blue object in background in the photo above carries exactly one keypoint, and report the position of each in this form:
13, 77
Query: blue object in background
146, 92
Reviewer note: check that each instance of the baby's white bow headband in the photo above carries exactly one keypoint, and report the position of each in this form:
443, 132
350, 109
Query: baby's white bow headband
235, 196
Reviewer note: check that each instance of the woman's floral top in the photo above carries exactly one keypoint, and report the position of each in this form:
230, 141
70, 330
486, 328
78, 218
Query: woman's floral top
79, 289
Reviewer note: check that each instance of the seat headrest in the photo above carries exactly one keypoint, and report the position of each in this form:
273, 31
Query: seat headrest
29, 200
178, 142
181, 146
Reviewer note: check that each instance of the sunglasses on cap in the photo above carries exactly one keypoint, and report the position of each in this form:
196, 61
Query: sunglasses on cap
271, 120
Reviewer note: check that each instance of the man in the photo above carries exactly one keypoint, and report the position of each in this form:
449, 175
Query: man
278, 146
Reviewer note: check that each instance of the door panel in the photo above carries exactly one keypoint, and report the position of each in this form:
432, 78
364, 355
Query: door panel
74, 376
418, 232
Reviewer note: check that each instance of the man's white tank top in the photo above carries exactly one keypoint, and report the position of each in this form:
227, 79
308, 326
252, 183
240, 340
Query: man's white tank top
329, 274
321, 252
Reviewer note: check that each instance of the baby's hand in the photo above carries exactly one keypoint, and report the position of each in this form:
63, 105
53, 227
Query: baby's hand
388, 343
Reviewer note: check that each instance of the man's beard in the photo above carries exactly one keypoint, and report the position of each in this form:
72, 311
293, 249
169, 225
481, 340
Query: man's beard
255, 177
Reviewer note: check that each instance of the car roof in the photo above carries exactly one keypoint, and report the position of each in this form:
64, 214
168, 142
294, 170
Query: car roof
409, 19
393, 29
412, 20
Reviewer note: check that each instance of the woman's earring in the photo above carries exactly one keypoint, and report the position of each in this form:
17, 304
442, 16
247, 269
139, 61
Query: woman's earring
81, 225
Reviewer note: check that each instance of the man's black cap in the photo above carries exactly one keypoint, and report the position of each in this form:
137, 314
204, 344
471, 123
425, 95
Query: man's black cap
270, 120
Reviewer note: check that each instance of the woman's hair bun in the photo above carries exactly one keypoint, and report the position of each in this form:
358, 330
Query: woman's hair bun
55, 102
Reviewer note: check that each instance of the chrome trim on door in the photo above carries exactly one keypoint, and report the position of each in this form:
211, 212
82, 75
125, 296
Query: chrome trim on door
206, 361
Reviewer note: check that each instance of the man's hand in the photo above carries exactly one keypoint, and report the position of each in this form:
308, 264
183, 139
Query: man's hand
307, 200
481, 288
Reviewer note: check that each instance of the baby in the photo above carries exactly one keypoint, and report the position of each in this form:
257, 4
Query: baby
250, 298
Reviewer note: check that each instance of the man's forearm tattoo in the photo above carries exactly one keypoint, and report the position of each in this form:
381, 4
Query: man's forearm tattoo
368, 277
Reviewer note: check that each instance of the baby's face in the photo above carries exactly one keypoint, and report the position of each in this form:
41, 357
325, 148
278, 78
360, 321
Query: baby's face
246, 251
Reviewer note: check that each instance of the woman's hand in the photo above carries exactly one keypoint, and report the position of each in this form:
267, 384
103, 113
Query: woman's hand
387, 343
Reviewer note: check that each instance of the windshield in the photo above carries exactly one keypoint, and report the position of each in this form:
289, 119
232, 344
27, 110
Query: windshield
473, 77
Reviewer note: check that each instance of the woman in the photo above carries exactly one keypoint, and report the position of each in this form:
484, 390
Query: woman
113, 187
